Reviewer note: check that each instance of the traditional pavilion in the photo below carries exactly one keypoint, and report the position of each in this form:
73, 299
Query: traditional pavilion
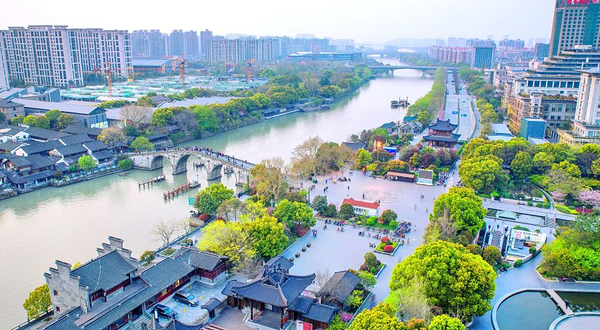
440, 134
274, 299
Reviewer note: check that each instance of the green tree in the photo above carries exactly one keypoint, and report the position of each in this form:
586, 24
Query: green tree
268, 236
229, 239
162, 117
346, 211
141, 143
330, 91
388, 216
542, 162
231, 208
492, 255
64, 120
424, 117
521, 166
462, 208
125, 164
2, 118
112, 136
207, 119
378, 318
363, 158
86, 162
571, 169
37, 121
211, 197
17, 120
331, 211
52, 117
483, 174
38, 302
29, 120
455, 280
445, 322
291, 213
320, 204
269, 180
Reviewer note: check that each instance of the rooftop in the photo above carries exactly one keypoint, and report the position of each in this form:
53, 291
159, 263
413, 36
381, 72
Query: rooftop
62, 106
363, 204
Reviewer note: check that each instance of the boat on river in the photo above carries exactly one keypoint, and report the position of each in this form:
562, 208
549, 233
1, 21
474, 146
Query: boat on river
194, 184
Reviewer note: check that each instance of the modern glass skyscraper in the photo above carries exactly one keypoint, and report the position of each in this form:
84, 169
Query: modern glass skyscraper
575, 23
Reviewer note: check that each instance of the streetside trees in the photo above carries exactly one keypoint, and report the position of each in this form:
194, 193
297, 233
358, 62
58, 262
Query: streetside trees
460, 283
38, 302
211, 197
458, 211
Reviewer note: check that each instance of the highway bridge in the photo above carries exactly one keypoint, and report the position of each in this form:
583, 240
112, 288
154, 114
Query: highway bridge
376, 68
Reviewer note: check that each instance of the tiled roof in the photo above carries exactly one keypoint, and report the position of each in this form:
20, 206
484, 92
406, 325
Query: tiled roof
64, 107
353, 146
284, 263
166, 272
443, 125
205, 260
80, 129
75, 139
301, 304
38, 161
65, 321
389, 125
43, 134
14, 178
321, 313
363, 204
340, 285
10, 145
441, 138
102, 155
70, 150
8, 104
176, 325
104, 272
211, 304
95, 146
38, 148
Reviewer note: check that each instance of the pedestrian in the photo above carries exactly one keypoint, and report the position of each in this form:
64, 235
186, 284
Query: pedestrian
363, 196
348, 187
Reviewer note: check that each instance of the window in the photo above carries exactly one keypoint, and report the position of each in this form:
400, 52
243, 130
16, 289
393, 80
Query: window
54, 292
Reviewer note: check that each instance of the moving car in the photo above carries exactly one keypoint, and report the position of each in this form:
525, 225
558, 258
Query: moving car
186, 298
165, 311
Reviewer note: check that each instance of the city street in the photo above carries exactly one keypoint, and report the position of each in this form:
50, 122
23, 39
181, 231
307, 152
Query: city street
459, 109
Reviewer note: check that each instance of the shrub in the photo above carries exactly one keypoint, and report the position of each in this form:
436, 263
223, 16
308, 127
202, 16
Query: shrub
392, 225
370, 222
385, 239
518, 263
532, 250
147, 256
388, 248
389, 215
125, 164
566, 210
492, 255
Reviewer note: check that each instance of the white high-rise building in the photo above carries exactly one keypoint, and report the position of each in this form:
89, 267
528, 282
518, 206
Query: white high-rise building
57, 56
588, 99
4, 82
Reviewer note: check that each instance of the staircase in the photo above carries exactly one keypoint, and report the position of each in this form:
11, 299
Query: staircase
496, 239
142, 323
213, 327
550, 221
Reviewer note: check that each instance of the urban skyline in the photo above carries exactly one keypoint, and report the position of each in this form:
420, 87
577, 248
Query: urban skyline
365, 25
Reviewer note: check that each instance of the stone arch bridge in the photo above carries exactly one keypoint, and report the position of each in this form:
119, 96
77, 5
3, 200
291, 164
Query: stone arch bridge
213, 162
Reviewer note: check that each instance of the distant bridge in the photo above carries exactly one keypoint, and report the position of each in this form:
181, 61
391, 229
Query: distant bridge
212, 161
406, 67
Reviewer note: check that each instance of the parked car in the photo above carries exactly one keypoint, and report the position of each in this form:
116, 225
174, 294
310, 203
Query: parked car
186, 298
165, 311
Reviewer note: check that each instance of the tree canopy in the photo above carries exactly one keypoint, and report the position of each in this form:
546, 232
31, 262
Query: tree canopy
211, 197
455, 280
38, 302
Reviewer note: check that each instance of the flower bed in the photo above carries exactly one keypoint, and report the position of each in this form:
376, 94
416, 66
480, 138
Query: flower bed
388, 248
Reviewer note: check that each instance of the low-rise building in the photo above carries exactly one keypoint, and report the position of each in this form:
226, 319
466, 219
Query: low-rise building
94, 117
533, 128
441, 134
362, 207
13, 133
11, 109
156, 66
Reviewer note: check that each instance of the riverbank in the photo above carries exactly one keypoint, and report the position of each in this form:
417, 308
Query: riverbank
68, 223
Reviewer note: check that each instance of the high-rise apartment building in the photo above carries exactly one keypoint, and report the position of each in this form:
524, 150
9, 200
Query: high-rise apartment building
483, 57
586, 125
57, 56
219, 49
575, 23
513, 44
149, 44
541, 51
4, 81
177, 43
191, 44
205, 36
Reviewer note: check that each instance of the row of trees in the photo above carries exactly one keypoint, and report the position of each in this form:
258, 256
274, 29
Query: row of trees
53, 119
427, 107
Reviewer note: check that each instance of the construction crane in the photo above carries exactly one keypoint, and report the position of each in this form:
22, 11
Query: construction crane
107, 72
250, 70
182, 70
130, 73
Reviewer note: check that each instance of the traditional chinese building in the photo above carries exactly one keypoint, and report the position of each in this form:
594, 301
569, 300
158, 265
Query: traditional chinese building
441, 134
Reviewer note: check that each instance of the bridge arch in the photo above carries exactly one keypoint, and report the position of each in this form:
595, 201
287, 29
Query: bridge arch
156, 162
180, 165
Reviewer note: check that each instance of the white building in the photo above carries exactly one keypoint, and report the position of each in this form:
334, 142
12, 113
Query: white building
57, 56
586, 126
4, 83
362, 207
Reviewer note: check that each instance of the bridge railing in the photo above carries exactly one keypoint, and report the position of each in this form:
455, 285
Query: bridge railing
212, 154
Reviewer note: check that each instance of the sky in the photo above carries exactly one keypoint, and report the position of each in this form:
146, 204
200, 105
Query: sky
366, 21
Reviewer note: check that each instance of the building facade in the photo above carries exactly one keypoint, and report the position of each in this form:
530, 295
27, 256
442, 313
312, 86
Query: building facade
483, 57
575, 23
4, 81
555, 110
149, 44
541, 51
57, 56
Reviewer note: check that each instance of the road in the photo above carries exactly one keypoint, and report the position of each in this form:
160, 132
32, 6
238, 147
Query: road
459, 109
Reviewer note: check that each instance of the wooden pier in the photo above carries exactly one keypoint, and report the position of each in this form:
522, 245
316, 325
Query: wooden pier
150, 182
177, 191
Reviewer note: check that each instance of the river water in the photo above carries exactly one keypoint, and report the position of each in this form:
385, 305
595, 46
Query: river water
69, 223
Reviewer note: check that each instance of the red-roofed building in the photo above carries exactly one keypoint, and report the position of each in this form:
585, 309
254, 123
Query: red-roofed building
362, 207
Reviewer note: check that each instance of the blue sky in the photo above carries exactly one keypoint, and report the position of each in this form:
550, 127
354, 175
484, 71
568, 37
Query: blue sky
366, 21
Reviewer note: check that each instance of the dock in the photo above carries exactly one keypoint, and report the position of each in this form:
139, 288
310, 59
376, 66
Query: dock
177, 191
559, 302
150, 182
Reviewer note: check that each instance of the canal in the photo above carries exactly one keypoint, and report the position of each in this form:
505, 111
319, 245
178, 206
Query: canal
69, 223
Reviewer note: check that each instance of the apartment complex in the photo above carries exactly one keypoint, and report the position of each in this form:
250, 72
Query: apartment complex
476, 56
575, 23
58, 56
220, 49
157, 45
